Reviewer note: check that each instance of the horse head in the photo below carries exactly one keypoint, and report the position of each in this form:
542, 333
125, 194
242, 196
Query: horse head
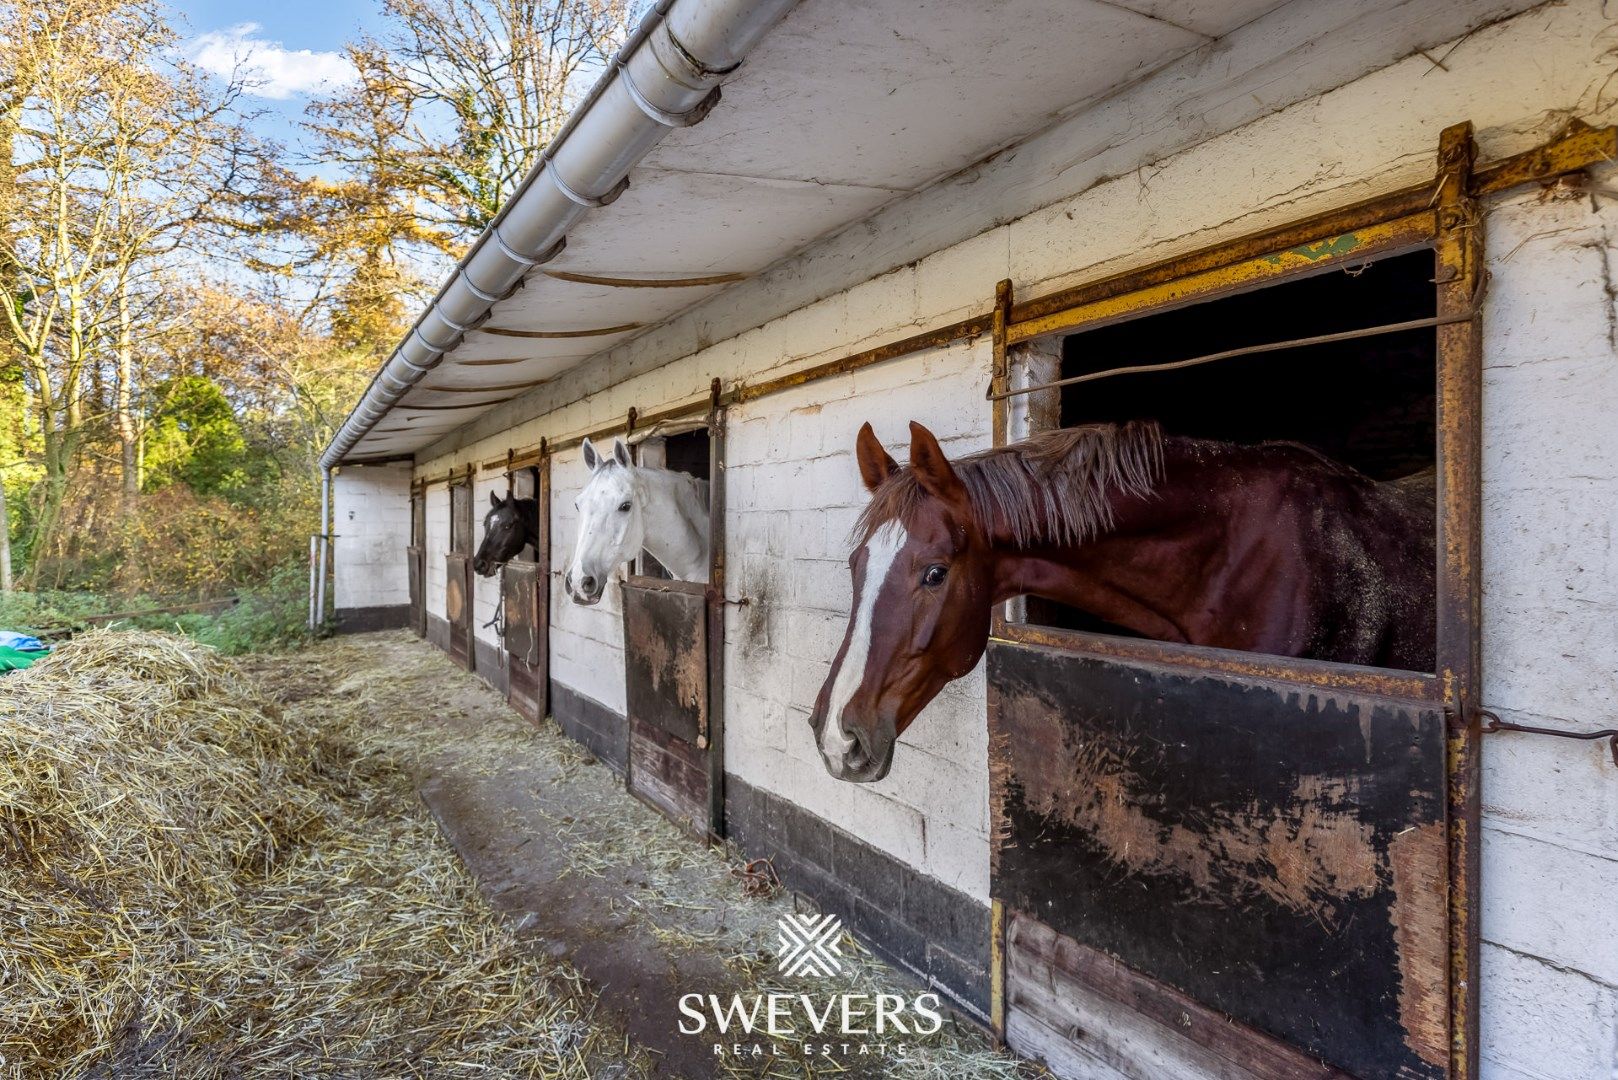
504, 535
610, 526
923, 590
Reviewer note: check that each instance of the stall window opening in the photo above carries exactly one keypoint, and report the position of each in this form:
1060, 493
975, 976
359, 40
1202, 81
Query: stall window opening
1368, 403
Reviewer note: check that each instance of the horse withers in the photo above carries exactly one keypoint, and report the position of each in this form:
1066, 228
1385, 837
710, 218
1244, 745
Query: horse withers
625, 508
510, 525
1267, 548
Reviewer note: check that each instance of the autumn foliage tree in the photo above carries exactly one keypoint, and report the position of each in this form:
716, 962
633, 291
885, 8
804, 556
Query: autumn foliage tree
119, 154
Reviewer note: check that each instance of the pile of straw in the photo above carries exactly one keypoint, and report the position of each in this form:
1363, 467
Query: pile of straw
194, 884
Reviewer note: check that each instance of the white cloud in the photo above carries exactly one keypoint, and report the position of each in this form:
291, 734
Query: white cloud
269, 70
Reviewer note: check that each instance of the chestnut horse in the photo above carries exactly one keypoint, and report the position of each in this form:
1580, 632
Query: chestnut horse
1269, 548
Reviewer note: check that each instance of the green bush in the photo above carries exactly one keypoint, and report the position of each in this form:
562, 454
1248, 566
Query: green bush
271, 617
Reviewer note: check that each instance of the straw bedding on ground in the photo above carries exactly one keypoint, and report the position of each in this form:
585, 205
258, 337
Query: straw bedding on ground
198, 883
214, 869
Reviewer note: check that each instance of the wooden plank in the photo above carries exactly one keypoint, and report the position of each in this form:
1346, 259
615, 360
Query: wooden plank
521, 584
670, 774
1097, 1009
458, 608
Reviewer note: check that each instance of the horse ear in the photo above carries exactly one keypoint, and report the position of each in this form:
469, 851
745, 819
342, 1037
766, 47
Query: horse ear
494, 500
933, 470
592, 460
620, 452
876, 465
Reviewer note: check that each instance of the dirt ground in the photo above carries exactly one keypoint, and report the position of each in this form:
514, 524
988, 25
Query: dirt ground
600, 883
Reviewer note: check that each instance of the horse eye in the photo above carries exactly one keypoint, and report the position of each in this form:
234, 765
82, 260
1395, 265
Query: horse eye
624, 509
934, 575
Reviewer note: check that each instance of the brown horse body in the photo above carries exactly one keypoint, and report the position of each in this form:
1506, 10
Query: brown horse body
1269, 548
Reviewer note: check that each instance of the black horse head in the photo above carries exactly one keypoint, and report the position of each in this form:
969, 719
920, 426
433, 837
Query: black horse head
509, 525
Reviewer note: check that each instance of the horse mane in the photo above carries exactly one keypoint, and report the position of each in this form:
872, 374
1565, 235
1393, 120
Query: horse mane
1052, 488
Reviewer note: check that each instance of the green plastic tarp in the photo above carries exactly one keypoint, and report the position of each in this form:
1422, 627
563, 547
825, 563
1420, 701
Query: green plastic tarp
12, 659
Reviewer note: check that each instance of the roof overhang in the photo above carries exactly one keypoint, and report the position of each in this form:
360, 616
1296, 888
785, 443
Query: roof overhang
658, 195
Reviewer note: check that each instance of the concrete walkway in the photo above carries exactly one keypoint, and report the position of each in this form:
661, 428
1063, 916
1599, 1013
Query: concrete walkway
640, 911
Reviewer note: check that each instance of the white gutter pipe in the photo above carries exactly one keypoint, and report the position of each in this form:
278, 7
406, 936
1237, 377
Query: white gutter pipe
667, 75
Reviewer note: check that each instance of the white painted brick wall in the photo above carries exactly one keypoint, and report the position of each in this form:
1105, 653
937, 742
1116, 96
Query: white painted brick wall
371, 523
485, 590
587, 643
793, 496
1550, 975
437, 523
1550, 636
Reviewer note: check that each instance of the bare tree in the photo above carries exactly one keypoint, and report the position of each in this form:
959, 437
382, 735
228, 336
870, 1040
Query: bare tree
118, 154
485, 85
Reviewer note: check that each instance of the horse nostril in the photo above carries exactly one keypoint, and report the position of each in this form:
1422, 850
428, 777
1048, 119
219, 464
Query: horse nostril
588, 584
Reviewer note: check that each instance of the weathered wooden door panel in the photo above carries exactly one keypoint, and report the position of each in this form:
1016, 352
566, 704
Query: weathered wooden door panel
415, 564
1274, 852
666, 656
458, 607
525, 595
669, 773
666, 669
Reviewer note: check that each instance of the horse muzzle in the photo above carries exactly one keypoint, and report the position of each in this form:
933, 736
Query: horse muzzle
586, 591
867, 761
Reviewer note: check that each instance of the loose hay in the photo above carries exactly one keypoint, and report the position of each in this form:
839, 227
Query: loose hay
196, 884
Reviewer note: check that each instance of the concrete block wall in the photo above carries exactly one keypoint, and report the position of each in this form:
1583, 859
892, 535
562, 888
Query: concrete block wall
1052, 213
793, 494
1550, 636
436, 511
485, 590
371, 523
587, 643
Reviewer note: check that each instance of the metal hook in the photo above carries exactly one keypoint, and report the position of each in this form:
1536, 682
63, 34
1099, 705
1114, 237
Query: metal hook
1496, 724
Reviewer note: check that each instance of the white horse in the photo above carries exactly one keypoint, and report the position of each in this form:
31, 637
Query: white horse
627, 507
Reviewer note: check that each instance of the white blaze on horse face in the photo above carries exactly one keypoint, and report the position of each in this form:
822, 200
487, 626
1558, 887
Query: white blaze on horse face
880, 552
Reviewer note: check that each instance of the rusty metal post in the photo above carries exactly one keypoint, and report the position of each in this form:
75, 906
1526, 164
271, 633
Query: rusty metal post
1459, 275
714, 738
999, 364
1000, 418
542, 555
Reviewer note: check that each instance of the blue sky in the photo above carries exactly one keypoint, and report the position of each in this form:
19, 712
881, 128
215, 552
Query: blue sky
293, 46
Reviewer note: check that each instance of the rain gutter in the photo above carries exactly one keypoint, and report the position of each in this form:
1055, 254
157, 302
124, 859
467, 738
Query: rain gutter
667, 75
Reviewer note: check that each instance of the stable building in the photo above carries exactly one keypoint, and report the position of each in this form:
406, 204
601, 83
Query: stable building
1383, 230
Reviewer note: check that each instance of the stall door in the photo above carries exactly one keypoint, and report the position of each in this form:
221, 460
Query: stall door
458, 607
1194, 849
666, 674
524, 593
416, 564
458, 575
674, 645
526, 600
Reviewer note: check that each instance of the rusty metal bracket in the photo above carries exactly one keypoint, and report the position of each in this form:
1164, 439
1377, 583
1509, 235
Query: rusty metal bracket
1496, 724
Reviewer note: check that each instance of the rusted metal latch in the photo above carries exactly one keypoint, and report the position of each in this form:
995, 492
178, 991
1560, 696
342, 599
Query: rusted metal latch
1494, 723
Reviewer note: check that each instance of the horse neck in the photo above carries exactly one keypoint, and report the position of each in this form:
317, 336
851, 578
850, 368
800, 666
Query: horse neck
1155, 570
675, 521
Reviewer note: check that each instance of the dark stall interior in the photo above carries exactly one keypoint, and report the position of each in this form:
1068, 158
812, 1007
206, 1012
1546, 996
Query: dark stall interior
1369, 403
